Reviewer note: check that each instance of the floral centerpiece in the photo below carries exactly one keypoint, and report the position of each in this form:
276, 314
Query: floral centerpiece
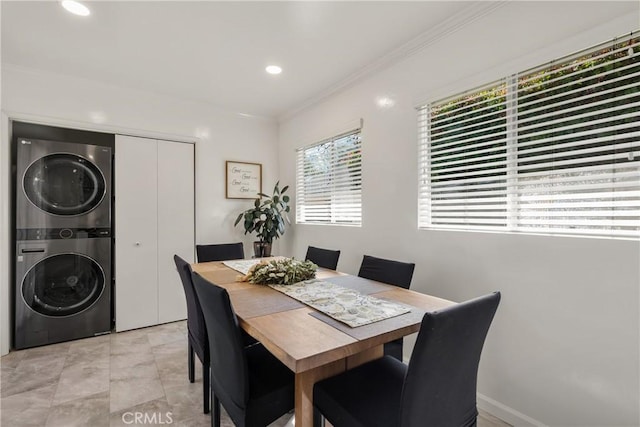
280, 272
267, 219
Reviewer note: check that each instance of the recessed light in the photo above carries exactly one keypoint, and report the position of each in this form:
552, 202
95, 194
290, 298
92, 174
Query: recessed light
76, 8
273, 69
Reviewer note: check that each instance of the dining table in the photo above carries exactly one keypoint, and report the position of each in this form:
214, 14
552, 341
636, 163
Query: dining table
313, 345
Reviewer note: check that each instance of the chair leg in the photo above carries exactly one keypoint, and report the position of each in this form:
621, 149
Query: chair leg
318, 419
191, 362
215, 416
206, 389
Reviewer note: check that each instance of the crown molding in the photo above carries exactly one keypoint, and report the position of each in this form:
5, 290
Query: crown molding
449, 26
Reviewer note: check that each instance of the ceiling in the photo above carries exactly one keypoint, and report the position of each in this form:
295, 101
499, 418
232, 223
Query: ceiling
216, 52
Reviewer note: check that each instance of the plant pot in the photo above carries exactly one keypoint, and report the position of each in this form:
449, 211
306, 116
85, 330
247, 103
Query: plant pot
261, 249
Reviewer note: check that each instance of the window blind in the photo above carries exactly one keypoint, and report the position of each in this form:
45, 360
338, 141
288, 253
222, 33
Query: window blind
329, 181
464, 161
552, 150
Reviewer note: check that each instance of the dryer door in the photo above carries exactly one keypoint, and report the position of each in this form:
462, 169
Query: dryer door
64, 184
63, 285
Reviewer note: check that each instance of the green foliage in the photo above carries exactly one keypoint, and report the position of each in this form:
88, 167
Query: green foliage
267, 216
281, 272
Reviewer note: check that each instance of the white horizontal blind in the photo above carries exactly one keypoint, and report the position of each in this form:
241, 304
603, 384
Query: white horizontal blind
464, 162
579, 144
329, 181
557, 152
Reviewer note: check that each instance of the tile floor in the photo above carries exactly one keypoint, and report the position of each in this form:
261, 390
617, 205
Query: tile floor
106, 380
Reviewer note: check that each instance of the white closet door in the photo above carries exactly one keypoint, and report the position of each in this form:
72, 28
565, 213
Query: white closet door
136, 227
175, 225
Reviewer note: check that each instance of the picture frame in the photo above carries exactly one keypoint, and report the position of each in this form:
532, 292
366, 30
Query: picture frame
243, 180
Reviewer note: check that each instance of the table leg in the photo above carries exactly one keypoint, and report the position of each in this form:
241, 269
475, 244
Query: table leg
304, 389
305, 381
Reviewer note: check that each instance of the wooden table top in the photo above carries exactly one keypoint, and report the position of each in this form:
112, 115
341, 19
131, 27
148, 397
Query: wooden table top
303, 338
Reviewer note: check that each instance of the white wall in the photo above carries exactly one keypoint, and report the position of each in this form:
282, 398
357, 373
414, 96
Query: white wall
564, 347
219, 135
5, 244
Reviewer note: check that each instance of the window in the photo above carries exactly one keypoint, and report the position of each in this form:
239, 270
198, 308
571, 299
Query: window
329, 181
551, 150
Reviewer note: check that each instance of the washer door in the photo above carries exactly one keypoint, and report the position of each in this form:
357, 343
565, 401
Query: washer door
63, 285
64, 184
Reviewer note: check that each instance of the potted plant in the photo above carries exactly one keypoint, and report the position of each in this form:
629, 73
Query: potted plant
267, 219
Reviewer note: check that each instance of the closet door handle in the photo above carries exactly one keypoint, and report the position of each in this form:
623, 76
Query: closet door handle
137, 243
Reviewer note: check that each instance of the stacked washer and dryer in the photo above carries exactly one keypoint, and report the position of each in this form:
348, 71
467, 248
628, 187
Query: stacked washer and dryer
63, 241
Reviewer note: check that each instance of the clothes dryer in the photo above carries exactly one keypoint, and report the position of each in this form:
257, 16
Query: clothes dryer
63, 287
62, 185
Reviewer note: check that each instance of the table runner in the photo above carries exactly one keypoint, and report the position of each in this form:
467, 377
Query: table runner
343, 304
241, 265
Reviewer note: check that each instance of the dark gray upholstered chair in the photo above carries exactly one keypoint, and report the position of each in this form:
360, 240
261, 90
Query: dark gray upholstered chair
220, 252
324, 258
254, 387
198, 342
393, 273
387, 271
437, 388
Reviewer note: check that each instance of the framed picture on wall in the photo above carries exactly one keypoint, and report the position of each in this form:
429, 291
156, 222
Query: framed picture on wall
244, 180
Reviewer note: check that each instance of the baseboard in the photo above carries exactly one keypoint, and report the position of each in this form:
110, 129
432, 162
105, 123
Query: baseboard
505, 413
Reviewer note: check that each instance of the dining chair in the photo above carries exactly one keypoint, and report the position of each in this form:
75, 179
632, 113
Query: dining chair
198, 342
220, 252
254, 387
437, 388
393, 273
325, 258
387, 271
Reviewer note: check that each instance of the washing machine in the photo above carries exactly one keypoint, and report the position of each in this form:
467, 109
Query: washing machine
63, 288
62, 185
63, 241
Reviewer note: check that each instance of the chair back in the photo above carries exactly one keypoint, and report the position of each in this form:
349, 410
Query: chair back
195, 320
220, 252
324, 258
229, 371
440, 386
387, 271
